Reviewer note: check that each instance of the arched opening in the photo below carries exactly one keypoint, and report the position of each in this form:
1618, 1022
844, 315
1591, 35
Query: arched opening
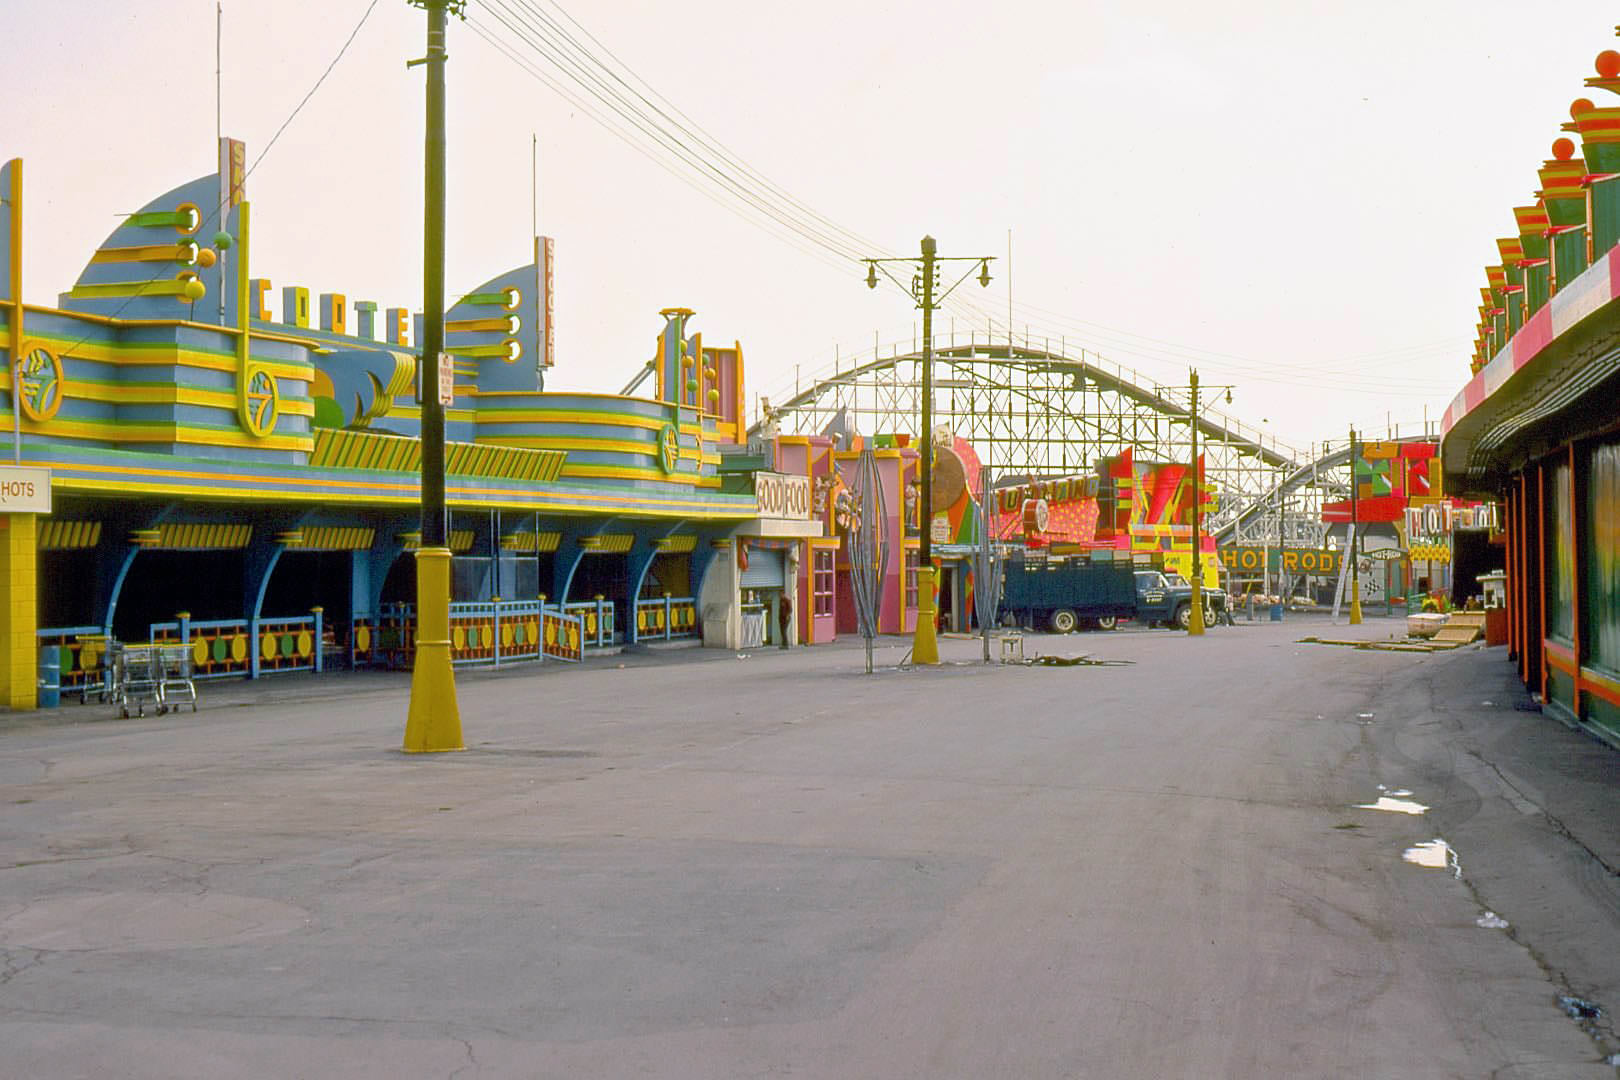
399, 586
67, 593
306, 579
208, 584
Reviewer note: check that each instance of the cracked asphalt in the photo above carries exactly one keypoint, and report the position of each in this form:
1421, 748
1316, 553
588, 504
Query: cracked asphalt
697, 864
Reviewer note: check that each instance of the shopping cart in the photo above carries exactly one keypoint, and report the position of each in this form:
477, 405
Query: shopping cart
155, 673
96, 660
174, 678
136, 678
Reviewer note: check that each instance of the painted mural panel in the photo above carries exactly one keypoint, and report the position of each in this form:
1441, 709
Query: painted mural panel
1560, 554
1602, 546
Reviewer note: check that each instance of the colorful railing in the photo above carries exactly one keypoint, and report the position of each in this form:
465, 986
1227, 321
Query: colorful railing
481, 632
562, 635
666, 619
84, 656
222, 648
597, 619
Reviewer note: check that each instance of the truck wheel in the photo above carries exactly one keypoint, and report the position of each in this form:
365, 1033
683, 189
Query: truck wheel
1211, 616
1063, 621
1107, 622
1183, 616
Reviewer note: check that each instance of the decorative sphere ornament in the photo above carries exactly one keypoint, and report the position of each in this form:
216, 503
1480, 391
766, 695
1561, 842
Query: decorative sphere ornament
691, 386
223, 240
714, 397
1580, 105
206, 257
194, 289
1563, 149
1608, 63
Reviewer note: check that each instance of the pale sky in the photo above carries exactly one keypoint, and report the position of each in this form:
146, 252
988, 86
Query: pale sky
1298, 198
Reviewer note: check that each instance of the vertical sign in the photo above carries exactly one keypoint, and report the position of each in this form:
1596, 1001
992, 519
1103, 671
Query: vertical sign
232, 174
447, 380
548, 351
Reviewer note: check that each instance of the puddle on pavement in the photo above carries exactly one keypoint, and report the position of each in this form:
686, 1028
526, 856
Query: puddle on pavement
1435, 854
1394, 805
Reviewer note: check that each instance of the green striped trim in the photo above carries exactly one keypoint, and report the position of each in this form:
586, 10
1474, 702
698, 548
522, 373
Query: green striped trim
336, 449
152, 219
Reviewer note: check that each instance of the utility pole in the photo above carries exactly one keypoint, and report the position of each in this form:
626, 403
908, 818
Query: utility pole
434, 722
925, 645
1195, 618
1355, 536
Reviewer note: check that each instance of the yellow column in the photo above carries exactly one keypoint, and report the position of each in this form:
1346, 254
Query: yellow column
19, 620
925, 646
434, 722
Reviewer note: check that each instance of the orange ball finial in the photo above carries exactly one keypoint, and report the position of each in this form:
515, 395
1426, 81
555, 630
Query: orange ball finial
1563, 149
1608, 63
1580, 105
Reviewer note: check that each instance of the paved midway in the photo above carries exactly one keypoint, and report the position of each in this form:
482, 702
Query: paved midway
690, 864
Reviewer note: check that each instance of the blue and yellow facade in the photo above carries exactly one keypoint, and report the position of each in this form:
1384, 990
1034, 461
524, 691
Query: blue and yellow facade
231, 451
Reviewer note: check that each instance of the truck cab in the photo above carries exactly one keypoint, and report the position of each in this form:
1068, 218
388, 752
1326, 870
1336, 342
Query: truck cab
1167, 598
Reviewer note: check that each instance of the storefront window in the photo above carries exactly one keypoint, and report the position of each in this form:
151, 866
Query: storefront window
1560, 554
912, 563
821, 583
1601, 544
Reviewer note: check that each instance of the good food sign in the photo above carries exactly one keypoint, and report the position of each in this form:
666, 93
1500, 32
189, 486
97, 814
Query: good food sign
781, 495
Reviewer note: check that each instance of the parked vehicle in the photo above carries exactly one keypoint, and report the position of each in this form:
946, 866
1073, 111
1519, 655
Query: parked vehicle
1064, 594
1167, 599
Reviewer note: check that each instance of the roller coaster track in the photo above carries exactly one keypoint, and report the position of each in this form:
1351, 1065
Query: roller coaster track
1033, 411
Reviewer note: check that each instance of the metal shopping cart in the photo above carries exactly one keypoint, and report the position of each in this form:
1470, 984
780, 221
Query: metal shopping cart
136, 678
95, 660
174, 678
155, 673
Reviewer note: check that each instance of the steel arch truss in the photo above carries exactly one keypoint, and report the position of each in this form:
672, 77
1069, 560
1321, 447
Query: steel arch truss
1032, 412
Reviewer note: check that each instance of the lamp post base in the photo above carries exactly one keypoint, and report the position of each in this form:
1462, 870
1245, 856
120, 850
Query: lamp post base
925, 646
434, 722
1355, 610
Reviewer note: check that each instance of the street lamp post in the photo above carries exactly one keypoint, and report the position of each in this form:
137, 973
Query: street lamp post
923, 289
1195, 618
434, 721
1195, 575
1355, 533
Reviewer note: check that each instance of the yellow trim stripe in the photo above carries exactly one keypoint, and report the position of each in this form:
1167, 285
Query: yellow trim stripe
533, 543
335, 538
68, 535
608, 543
387, 493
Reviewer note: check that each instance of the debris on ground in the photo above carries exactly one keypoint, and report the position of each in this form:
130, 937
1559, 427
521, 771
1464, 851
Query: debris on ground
1083, 660
1382, 646
1579, 1008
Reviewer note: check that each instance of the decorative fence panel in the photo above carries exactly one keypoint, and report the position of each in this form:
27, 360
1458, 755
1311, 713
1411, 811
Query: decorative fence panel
220, 648
517, 631
666, 619
472, 633
597, 619
563, 635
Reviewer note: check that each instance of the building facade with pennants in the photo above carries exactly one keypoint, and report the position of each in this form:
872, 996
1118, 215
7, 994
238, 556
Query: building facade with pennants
1537, 427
